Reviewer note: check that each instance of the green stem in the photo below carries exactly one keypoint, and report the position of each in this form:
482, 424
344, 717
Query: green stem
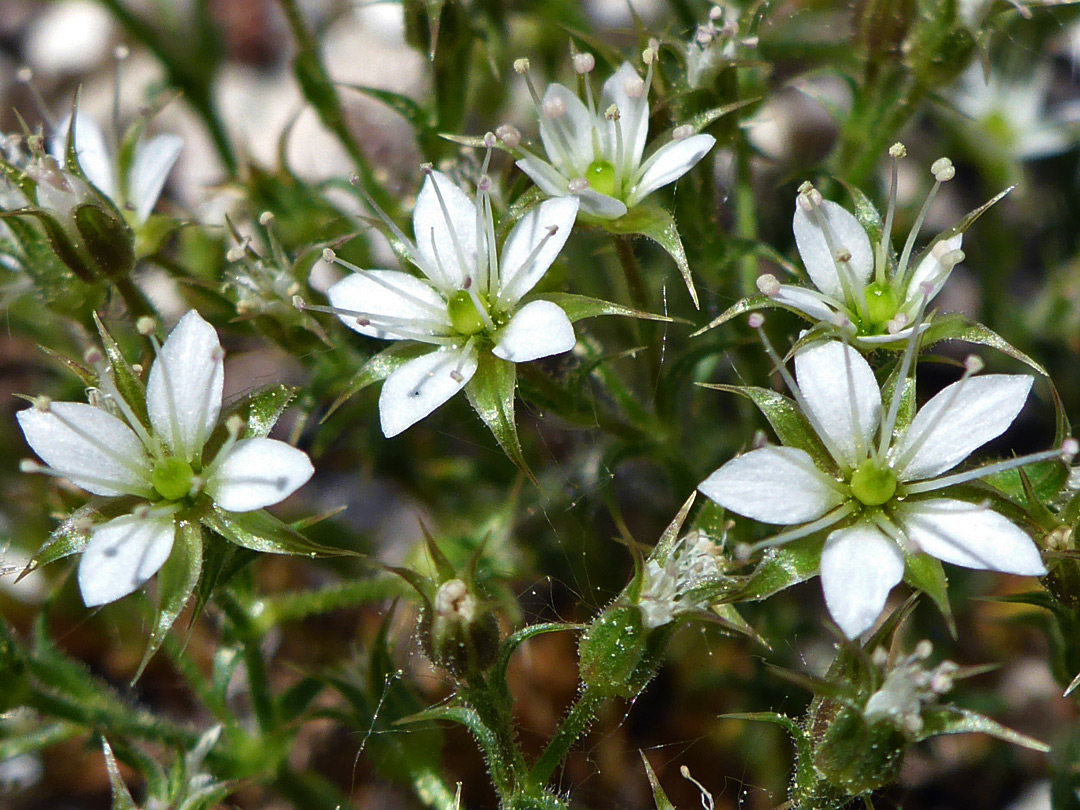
495, 714
134, 300
258, 681
301, 604
746, 224
639, 296
577, 721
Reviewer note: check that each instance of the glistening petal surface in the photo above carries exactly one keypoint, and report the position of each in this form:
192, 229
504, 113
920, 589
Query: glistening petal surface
670, 162
522, 264
775, 485
970, 535
931, 272
633, 119
859, 566
183, 394
89, 446
153, 161
958, 420
436, 231
600, 205
847, 235
804, 301
538, 329
546, 176
257, 473
121, 555
396, 305
842, 392
421, 385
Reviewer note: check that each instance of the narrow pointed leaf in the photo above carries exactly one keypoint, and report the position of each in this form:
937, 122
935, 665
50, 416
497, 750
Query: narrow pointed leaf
703, 119
579, 307
780, 569
751, 304
121, 796
659, 797
378, 368
261, 531
129, 384
491, 393
955, 720
927, 574
657, 224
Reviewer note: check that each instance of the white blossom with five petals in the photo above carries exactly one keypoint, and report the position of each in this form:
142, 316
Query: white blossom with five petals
469, 299
105, 448
882, 494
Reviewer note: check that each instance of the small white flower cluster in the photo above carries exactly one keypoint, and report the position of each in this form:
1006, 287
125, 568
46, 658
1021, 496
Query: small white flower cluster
909, 686
668, 589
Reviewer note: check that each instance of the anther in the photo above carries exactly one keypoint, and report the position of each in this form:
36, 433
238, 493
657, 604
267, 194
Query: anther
489, 139
767, 284
716, 13
235, 425
706, 797
635, 87
121, 52
612, 113
24, 75
93, 356
427, 168
484, 183
509, 135
843, 255
146, 326
28, 465
923, 649
897, 151
943, 170
299, 303
137, 368
554, 107
142, 511
756, 320
235, 254
329, 256
681, 133
521, 66
751, 42
457, 376
265, 218
43, 403
1069, 448
880, 657
897, 324
583, 63
973, 364
577, 185
84, 525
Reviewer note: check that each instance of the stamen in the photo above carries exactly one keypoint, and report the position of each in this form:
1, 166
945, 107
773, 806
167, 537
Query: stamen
509, 135
1067, 450
398, 328
897, 152
330, 257
612, 114
429, 171
892, 531
768, 285
481, 310
584, 63
410, 249
813, 203
943, 171
504, 294
889, 424
706, 797
108, 387
785, 537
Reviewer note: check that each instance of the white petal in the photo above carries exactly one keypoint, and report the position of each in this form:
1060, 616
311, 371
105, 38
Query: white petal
93, 154
633, 120
805, 301
518, 267
546, 176
843, 395
929, 271
258, 473
397, 305
121, 555
670, 162
568, 139
600, 205
847, 234
859, 566
183, 394
449, 229
774, 485
420, 386
538, 329
89, 446
153, 161
970, 535
958, 420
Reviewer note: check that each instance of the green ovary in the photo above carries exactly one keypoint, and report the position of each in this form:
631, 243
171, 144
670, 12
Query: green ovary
873, 484
601, 177
881, 304
464, 316
172, 478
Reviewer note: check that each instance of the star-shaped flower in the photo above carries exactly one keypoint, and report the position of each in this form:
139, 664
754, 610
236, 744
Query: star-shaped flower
153, 456
881, 491
595, 149
468, 301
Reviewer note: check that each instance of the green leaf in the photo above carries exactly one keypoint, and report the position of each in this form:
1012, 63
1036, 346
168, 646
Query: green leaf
491, 393
927, 574
705, 118
261, 531
956, 720
378, 368
121, 797
579, 307
176, 583
866, 213
955, 326
65, 540
262, 409
781, 568
665, 546
657, 224
128, 383
659, 797
1045, 477
785, 418
751, 304
497, 675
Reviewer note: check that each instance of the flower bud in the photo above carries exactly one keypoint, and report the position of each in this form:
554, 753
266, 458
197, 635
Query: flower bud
618, 655
459, 632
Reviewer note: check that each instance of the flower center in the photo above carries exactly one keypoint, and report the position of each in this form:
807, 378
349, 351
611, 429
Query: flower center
881, 303
871, 484
464, 316
172, 478
601, 177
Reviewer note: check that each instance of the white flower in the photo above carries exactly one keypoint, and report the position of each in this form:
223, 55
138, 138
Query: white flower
469, 299
858, 287
594, 150
668, 589
106, 449
879, 491
134, 187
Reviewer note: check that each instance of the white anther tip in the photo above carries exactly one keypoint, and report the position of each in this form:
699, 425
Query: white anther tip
235, 424
121, 52
756, 320
521, 66
94, 356
28, 465
427, 168
768, 284
266, 217
509, 135
489, 139
24, 75
973, 364
897, 151
577, 185
943, 170
681, 133
612, 112
1069, 448
146, 326
584, 63
299, 303
329, 256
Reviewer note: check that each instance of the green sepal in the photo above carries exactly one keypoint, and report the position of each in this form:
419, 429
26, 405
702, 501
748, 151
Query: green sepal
669, 540
787, 421
121, 796
1072, 687
491, 393
176, 583
107, 239
781, 568
659, 797
128, 383
260, 411
261, 531
59, 241
579, 307
377, 368
704, 119
957, 720
1044, 481
927, 574
966, 222
65, 540
907, 409
222, 560
866, 213
655, 223
751, 304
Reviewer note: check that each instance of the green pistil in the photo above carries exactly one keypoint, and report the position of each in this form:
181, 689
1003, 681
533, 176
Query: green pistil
464, 316
172, 478
872, 484
601, 177
881, 304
